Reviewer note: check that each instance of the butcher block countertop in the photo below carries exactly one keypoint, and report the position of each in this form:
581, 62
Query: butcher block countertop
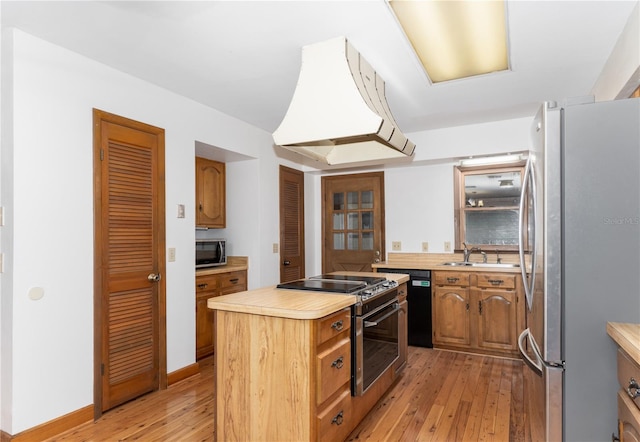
627, 336
234, 263
435, 261
292, 304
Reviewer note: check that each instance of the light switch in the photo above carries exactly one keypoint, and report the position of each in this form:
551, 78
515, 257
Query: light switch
172, 254
180, 210
447, 246
275, 247
425, 246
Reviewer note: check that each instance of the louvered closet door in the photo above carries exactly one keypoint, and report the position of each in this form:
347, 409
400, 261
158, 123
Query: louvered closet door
291, 224
132, 234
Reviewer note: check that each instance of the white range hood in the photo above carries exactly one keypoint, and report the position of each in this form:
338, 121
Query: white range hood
339, 113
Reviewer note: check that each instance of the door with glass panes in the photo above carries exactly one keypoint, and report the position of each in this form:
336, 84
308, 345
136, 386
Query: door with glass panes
353, 222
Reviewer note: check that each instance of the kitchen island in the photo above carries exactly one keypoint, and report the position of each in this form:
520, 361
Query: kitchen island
283, 365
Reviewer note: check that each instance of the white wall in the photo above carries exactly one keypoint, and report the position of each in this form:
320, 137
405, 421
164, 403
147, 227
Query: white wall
49, 346
621, 74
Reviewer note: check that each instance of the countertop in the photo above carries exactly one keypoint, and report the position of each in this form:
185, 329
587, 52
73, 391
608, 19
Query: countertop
627, 336
434, 261
234, 263
292, 304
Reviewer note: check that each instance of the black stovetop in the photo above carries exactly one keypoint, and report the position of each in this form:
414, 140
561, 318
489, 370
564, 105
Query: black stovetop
332, 283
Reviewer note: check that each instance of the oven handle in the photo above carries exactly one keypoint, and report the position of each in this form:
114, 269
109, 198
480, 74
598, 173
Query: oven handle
396, 307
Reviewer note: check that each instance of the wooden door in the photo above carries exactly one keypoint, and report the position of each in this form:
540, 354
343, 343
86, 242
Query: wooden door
291, 224
130, 338
353, 222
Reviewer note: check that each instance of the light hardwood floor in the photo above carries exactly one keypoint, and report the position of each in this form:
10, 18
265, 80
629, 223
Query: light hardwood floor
442, 396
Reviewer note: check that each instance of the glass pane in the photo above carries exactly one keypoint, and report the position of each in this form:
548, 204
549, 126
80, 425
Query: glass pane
352, 221
338, 241
497, 189
352, 241
352, 200
367, 199
367, 240
338, 221
367, 220
495, 227
338, 201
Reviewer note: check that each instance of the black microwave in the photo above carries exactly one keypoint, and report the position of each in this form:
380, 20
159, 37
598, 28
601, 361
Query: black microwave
210, 253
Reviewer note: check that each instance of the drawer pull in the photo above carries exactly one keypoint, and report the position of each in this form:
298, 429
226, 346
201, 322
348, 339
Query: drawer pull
452, 280
496, 281
633, 390
338, 419
233, 281
203, 286
338, 363
338, 325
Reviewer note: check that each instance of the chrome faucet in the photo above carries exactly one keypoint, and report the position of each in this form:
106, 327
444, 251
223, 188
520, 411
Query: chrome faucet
466, 252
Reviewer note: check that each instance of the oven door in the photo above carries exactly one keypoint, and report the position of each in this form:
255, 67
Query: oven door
376, 345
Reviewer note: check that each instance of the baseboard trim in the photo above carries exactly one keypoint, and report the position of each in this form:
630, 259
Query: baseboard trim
55, 426
183, 373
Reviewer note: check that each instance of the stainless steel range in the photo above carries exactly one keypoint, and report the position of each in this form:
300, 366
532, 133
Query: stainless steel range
374, 322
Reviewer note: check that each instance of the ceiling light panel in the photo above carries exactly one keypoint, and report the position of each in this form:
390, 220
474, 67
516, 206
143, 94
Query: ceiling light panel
455, 39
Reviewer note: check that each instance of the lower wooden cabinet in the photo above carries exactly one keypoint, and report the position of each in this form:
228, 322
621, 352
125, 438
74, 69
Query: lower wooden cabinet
209, 286
628, 398
480, 312
403, 332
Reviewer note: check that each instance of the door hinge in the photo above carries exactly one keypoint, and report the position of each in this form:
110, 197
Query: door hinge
101, 154
102, 369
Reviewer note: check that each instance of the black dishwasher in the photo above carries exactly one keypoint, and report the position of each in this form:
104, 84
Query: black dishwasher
419, 305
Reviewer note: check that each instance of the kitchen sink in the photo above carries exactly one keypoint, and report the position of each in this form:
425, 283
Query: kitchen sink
482, 264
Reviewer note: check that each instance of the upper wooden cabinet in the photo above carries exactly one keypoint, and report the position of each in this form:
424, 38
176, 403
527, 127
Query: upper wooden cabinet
210, 194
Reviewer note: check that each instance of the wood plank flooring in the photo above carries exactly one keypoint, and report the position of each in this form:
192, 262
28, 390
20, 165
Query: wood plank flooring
442, 396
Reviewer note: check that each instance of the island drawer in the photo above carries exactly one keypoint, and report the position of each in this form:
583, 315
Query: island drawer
207, 283
333, 325
333, 369
335, 421
458, 279
629, 377
496, 280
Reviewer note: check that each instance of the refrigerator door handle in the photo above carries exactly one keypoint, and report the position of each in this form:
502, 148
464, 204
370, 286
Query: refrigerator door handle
537, 365
528, 187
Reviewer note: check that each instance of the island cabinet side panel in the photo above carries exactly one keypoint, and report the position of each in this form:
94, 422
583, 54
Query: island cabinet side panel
263, 378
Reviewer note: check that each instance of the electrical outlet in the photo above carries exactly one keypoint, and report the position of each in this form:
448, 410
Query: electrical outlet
447, 246
172, 254
396, 246
425, 246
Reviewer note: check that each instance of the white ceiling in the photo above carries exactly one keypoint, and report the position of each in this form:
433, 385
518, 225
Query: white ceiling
243, 57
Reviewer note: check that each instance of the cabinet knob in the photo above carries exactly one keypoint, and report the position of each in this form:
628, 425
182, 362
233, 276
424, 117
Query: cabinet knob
234, 281
496, 281
338, 363
338, 325
452, 280
338, 419
203, 286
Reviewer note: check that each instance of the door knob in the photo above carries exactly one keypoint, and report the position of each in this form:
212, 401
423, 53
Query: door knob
286, 263
153, 277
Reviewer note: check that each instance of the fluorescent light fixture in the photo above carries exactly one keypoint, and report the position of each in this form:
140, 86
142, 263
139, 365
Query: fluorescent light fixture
497, 159
455, 39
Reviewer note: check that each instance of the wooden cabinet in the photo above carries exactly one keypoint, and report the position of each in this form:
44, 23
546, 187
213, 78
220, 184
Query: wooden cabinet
282, 378
209, 286
210, 193
477, 311
403, 331
628, 398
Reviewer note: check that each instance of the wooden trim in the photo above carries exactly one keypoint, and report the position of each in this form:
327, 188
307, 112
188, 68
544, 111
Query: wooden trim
53, 427
183, 373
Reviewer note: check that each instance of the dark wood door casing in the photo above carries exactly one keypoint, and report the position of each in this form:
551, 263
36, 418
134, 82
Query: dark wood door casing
292, 248
129, 240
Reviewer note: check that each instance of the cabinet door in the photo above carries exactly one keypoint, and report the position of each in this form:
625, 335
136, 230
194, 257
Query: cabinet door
451, 316
403, 337
210, 193
204, 326
628, 418
497, 325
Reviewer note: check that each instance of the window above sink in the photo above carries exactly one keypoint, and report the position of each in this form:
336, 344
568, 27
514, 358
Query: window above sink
487, 206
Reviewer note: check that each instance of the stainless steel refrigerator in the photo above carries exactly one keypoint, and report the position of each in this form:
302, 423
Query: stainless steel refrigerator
580, 233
